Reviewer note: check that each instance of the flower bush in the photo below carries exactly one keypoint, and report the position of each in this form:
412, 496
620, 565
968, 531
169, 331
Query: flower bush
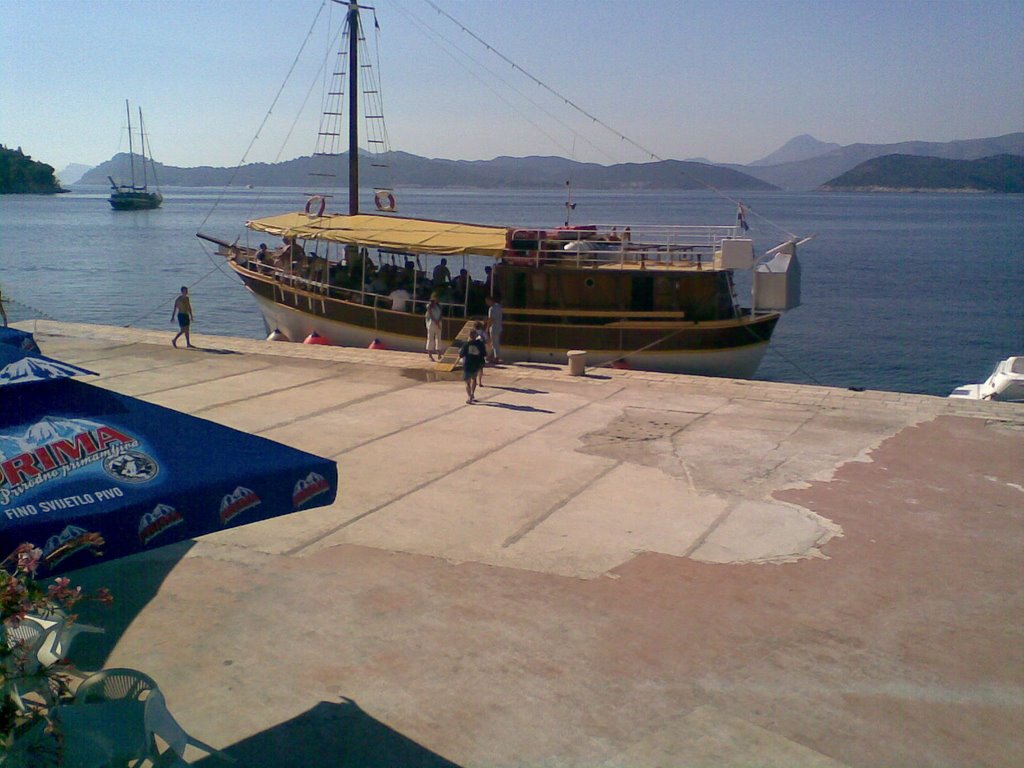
21, 594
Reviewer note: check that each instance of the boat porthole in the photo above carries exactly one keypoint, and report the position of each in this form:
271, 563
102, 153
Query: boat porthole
589, 282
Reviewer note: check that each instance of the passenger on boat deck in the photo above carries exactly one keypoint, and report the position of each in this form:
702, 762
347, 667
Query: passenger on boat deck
489, 280
3, 312
262, 257
360, 263
441, 275
461, 285
400, 299
318, 267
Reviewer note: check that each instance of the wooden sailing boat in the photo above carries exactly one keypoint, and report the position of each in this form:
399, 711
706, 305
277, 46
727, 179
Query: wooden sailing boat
136, 197
658, 298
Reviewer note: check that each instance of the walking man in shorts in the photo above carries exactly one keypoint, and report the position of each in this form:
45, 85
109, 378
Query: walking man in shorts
183, 310
473, 354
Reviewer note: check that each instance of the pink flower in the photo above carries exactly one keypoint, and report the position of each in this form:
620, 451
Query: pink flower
29, 558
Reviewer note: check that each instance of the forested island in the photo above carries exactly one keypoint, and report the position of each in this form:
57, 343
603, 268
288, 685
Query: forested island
21, 175
908, 173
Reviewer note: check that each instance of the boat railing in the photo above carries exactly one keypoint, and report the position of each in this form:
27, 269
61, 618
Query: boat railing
605, 246
371, 298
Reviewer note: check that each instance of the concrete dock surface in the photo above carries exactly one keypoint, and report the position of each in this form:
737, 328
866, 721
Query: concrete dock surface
620, 569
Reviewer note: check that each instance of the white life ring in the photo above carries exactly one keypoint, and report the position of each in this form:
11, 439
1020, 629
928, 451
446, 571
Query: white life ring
321, 206
384, 200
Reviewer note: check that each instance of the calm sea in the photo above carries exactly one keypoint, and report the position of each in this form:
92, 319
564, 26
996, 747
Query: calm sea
902, 292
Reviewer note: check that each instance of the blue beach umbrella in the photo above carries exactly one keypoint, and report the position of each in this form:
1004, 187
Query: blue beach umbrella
13, 337
23, 365
80, 464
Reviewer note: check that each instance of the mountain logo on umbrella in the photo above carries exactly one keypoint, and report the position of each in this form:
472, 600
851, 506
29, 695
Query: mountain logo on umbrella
73, 537
237, 502
152, 524
35, 369
307, 488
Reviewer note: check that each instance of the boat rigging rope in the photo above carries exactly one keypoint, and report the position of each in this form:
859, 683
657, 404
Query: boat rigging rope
266, 117
163, 304
594, 118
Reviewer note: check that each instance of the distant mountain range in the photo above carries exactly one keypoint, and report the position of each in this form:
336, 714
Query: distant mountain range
802, 163
409, 170
1001, 173
812, 172
70, 174
803, 147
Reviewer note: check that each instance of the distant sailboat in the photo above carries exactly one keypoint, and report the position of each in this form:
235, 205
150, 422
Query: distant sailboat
135, 197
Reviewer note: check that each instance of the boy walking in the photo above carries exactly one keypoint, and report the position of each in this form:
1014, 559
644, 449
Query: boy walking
472, 353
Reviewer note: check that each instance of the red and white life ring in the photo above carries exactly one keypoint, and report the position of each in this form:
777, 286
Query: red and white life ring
321, 205
385, 201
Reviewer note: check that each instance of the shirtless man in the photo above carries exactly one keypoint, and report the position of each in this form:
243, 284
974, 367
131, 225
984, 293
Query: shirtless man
183, 310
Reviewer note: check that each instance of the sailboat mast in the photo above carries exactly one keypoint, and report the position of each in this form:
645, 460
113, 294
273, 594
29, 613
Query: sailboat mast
353, 108
131, 148
142, 141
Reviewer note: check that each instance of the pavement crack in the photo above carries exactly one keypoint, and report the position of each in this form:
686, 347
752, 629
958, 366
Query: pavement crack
531, 524
462, 465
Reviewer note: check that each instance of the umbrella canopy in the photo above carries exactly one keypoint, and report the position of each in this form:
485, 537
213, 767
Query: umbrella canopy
78, 462
12, 337
20, 364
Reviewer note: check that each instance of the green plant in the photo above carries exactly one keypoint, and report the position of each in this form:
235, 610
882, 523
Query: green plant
22, 594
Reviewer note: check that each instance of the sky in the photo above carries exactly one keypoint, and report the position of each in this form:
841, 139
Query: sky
727, 80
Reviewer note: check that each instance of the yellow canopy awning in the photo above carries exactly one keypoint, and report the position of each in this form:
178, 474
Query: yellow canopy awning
411, 235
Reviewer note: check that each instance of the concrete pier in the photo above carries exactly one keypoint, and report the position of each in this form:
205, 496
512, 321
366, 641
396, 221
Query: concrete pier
618, 569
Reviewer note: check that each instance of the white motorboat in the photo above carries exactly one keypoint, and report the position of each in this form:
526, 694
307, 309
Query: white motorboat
1006, 384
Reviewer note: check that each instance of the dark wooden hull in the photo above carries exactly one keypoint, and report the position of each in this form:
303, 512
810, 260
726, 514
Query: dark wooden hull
135, 201
732, 347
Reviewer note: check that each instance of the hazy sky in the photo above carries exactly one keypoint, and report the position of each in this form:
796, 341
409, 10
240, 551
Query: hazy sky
722, 79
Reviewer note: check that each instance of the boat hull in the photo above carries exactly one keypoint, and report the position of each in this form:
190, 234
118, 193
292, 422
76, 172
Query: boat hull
135, 201
731, 349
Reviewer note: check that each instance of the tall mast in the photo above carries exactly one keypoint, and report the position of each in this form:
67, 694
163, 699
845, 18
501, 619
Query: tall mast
353, 107
142, 142
131, 148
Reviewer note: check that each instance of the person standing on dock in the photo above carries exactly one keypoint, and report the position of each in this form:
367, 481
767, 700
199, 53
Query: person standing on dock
494, 320
183, 310
472, 355
433, 320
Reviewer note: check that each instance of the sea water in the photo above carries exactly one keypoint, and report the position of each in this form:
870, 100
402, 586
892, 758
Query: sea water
901, 292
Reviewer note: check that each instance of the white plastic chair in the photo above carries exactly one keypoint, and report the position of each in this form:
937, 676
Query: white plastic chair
61, 634
161, 723
38, 642
129, 684
22, 664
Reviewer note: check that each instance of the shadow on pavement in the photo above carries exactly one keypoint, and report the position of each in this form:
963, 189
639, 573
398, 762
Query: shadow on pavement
511, 407
340, 735
133, 581
519, 390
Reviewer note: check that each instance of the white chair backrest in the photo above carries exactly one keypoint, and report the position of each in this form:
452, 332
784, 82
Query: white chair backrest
159, 721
